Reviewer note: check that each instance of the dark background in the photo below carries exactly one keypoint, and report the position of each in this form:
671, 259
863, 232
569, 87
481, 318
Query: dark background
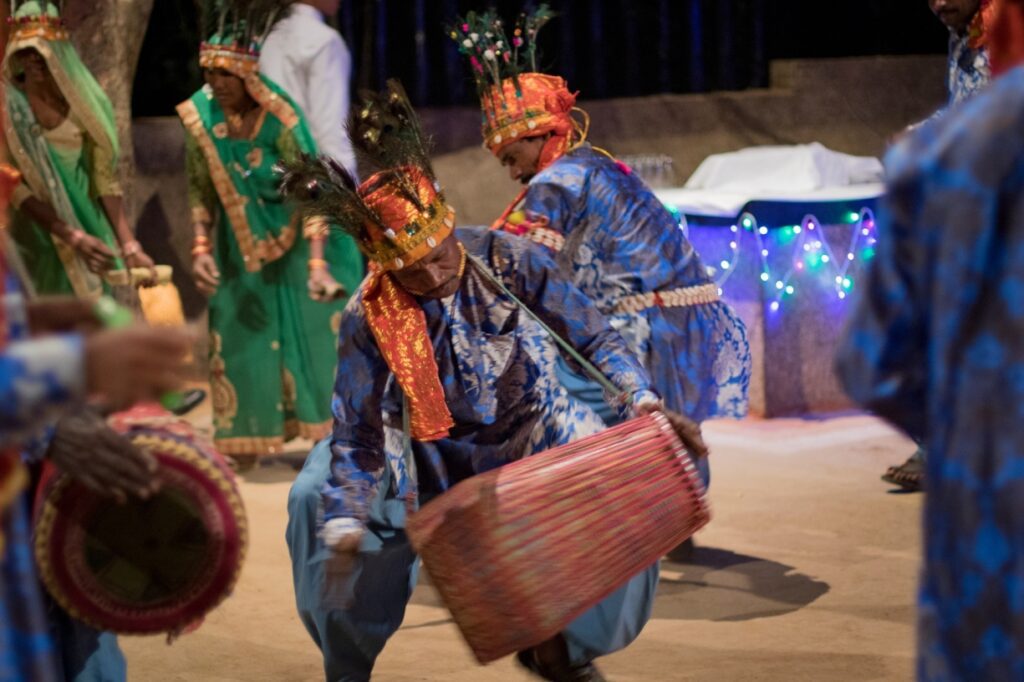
604, 48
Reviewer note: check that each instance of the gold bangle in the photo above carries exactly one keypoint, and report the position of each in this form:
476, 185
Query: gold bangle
317, 264
199, 250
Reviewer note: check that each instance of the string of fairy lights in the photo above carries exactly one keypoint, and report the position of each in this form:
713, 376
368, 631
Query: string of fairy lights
811, 254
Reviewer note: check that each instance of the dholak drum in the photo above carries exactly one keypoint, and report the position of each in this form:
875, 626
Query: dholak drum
148, 566
519, 552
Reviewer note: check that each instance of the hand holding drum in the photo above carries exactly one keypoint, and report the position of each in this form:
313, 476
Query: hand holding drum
87, 449
687, 430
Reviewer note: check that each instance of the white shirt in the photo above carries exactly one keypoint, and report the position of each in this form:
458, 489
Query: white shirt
309, 60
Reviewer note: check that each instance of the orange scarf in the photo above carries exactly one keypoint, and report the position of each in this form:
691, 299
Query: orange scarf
400, 328
980, 28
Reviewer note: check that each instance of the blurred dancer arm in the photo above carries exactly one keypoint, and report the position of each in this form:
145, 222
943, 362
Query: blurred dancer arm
41, 377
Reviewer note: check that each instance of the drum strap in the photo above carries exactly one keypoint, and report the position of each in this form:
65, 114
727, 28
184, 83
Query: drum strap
590, 369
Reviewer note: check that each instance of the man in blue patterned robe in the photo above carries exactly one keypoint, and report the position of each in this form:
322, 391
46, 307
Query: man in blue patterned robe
936, 346
610, 235
498, 372
626, 252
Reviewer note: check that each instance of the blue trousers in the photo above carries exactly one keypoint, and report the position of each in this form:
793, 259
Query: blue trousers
384, 576
27, 651
85, 654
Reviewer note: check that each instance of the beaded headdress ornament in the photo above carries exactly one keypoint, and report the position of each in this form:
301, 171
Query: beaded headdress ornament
516, 100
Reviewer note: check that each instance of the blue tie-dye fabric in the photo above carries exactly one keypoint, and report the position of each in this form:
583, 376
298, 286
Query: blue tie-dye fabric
497, 370
621, 241
969, 69
936, 346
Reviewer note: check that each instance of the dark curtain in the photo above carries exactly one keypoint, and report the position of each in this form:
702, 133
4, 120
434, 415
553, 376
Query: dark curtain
604, 48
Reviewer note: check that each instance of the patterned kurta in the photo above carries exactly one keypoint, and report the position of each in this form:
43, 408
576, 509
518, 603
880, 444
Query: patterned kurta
936, 346
969, 70
496, 370
620, 242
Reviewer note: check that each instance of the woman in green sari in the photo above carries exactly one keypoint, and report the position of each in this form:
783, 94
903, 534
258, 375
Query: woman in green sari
276, 287
69, 224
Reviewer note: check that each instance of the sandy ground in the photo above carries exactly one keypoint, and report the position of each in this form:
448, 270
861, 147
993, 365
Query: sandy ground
807, 572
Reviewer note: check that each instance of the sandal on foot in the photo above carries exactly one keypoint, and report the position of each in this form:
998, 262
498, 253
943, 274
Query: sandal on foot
909, 475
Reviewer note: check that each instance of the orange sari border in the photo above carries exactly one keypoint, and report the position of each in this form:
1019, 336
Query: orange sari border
255, 252
274, 445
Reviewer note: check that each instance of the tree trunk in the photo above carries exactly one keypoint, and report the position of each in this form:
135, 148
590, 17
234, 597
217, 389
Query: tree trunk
108, 35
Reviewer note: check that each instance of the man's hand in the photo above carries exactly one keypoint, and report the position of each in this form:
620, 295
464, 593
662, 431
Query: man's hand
137, 363
205, 274
687, 430
87, 449
337, 591
61, 314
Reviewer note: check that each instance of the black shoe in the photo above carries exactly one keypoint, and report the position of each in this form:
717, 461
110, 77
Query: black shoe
562, 671
186, 401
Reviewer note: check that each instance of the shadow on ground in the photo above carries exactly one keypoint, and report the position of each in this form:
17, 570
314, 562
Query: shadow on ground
714, 584
722, 585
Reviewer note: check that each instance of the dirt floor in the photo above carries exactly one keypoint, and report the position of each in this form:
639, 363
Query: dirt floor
807, 572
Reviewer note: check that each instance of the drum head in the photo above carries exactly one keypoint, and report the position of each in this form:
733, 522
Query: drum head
147, 566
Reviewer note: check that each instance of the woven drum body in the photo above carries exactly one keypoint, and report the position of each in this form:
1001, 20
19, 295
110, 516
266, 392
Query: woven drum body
148, 566
519, 552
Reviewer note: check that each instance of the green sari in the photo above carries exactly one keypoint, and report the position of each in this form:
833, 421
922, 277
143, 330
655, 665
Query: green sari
272, 348
69, 167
